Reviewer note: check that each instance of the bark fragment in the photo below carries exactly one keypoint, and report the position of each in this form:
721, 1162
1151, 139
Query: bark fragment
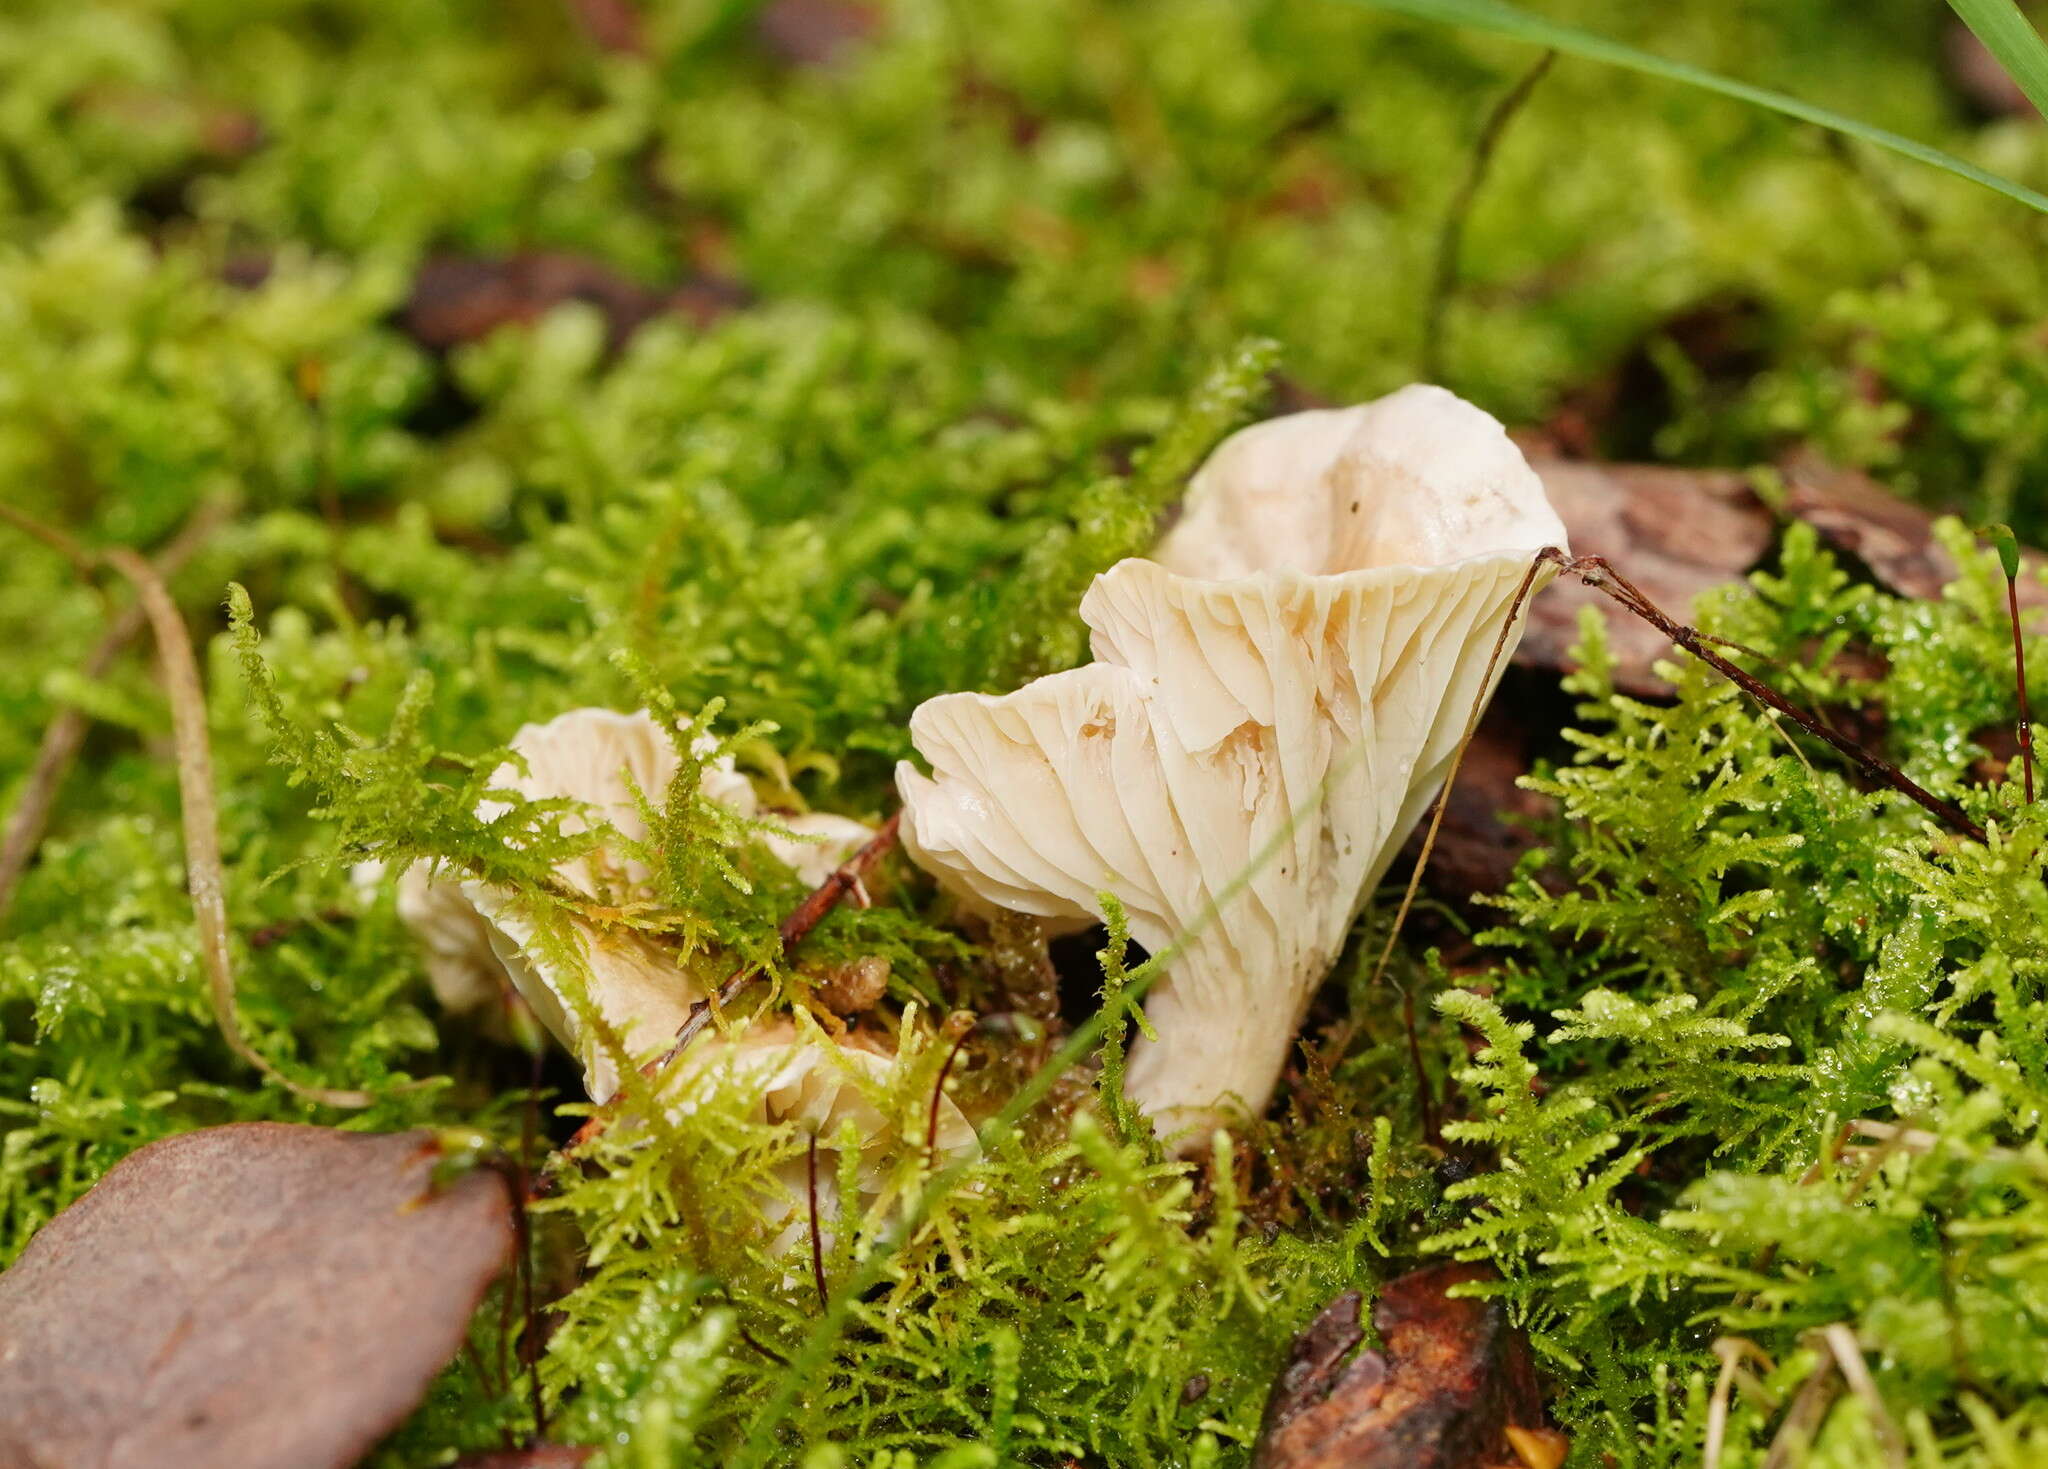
1448, 1380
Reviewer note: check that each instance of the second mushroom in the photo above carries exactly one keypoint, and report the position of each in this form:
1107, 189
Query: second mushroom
1276, 696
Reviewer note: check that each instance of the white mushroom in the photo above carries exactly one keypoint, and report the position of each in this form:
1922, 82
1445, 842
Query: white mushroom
1275, 698
598, 759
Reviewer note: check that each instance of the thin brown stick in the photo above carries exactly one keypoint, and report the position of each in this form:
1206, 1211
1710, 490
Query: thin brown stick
1848, 1354
82, 561
1730, 1350
1596, 573
931, 1123
807, 915
2019, 663
530, 1343
66, 731
817, 1235
204, 875
1809, 1407
1450, 243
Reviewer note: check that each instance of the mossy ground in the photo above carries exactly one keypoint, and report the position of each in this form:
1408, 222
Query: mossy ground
1004, 262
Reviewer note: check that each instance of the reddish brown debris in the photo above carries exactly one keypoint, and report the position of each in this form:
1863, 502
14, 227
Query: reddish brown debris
257, 1296
461, 298
610, 25
1980, 76
1448, 1380
854, 987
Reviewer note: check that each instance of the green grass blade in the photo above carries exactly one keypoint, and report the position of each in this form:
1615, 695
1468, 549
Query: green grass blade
2010, 36
1505, 20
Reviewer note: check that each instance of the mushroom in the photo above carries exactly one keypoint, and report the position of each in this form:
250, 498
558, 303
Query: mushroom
1275, 698
599, 759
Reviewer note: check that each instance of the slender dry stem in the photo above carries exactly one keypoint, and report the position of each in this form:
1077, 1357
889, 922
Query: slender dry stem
817, 1235
1848, 1355
1596, 573
204, 874
66, 731
1450, 244
2019, 663
1436, 821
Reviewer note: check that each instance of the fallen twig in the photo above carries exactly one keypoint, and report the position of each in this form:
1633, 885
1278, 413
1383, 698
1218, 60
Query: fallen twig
204, 875
1596, 573
66, 731
1425, 1103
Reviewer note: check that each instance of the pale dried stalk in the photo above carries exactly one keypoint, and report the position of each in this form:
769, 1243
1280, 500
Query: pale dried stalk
204, 875
81, 559
1849, 1357
66, 732
1731, 1350
1809, 1408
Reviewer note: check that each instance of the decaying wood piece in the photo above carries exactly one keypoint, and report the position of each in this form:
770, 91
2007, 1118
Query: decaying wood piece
1448, 1380
1677, 532
1894, 538
1680, 532
256, 1296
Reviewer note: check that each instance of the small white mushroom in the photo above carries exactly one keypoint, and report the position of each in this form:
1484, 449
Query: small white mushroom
598, 758
1275, 698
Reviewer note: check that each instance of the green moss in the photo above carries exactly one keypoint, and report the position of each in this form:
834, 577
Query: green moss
1011, 280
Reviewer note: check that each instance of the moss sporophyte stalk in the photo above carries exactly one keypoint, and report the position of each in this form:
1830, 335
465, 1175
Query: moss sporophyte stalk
462, 370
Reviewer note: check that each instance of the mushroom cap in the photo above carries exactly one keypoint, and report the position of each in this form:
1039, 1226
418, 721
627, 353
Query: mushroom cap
1273, 703
822, 841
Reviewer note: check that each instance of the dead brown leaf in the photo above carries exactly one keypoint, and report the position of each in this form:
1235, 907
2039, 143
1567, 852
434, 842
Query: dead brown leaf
1679, 532
257, 1296
1894, 538
1449, 1378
